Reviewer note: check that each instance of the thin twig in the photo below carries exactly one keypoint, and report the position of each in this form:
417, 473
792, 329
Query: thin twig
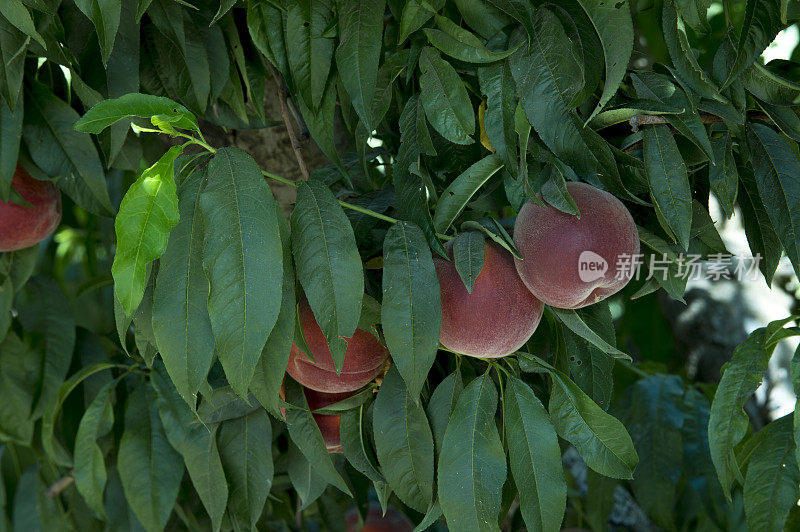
60, 485
283, 95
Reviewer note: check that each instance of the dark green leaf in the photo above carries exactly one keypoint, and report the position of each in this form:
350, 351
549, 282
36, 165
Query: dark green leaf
723, 176
105, 15
309, 54
242, 260
356, 443
18, 15
328, 264
590, 366
445, 98
19, 366
520, 10
415, 14
13, 48
762, 22
472, 463
535, 457
404, 443
462, 44
10, 136
469, 254
498, 120
411, 309
456, 196
441, 406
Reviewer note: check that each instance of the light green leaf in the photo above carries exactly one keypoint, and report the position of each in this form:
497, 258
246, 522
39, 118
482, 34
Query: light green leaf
150, 469
411, 309
328, 264
242, 261
458, 193
535, 457
147, 214
403, 442
445, 98
472, 462
108, 112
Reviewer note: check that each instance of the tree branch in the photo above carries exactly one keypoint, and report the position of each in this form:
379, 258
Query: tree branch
60, 485
283, 95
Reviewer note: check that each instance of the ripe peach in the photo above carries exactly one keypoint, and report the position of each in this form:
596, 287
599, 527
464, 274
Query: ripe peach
571, 262
363, 359
393, 521
328, 423
22, 226
500, 314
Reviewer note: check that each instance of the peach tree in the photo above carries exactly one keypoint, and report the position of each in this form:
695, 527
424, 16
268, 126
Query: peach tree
420, 335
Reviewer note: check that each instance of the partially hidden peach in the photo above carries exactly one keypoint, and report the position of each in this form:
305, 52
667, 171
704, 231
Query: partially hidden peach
328, 423
363, 359
571, 262
500, 314
22, 226
393, 521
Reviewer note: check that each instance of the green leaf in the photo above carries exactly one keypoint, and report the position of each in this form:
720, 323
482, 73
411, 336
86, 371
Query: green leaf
575, 322
181, 324
19, 367
497, 84
600, 438
271, 367
18, 15
482, 17
761, 235
771, 484
415, 14
472, 463
320, 124
197, 444
519, 10
654, 419
741, 376
403, 442
469, 254
461, 44
6, 300
592, 367
34, 510
762, 22
723, 176
63, 153
13, 49
534, 457
768, 86
668, 181
652, 86
305, 433
265, 23
245, 445
310, 54
105, 15
150, 469
458, 193
52, 447
441, 406
10, 137
614, 25
358, 53
90, 467
777, 172
786, 118
108, 112
445, 99
356, 443
411, 309
242, 261
687, 68
308, 483
328, 264
224, 7
147, 214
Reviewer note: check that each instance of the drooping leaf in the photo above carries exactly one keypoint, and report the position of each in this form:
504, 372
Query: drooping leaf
441, 406
445, 98
668, 181
18, 15
13, 48
762, 22
777, 172
360, 37
242, 261
497, 84
761, 235
150, 469
403, 442
105, 15
18, 369
469, 254
356, 443
535, 457
590, 366
10, 136
472, 463
147, 214
310, 54
723, 176
411, 308
181, 324
328, 264
245, 445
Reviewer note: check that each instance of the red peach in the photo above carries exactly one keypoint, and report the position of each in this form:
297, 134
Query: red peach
22, 226
363, 359
500, 314
570, 262
328, 423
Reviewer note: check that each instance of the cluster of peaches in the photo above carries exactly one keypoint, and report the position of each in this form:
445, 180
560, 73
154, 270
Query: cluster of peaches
493, 320
507, 299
